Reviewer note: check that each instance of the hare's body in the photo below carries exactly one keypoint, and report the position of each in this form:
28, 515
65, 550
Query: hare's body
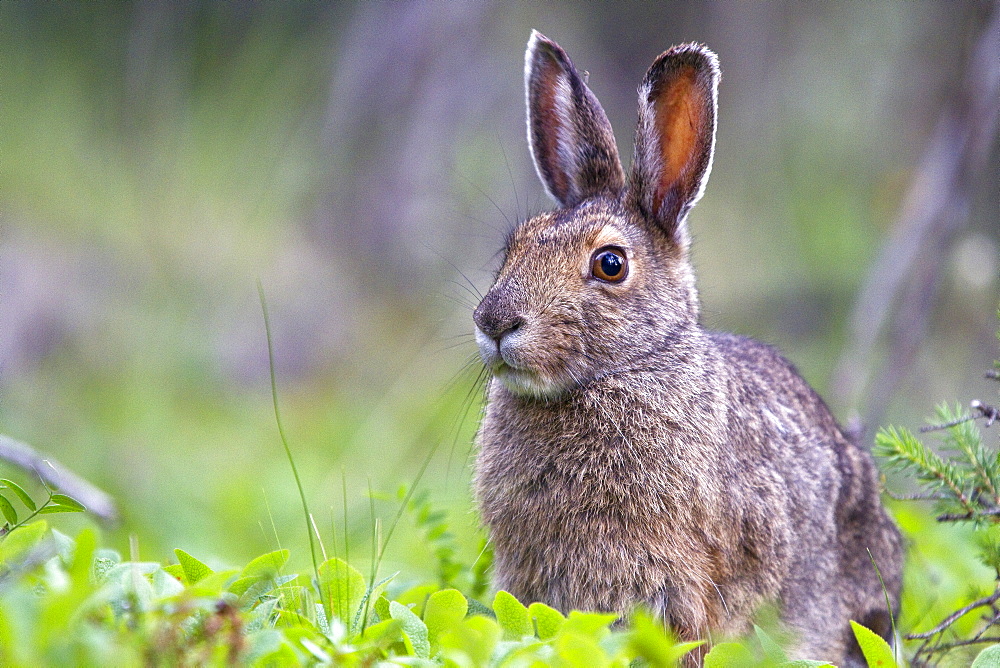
627, 455
647, 507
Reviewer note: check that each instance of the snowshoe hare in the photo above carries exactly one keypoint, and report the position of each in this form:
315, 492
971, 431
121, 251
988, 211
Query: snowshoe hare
629, 456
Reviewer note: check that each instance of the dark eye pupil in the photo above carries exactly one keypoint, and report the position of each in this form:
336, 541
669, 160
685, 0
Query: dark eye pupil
611, 264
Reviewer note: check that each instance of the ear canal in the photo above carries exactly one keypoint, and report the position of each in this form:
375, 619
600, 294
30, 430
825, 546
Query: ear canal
675, 138
571, 141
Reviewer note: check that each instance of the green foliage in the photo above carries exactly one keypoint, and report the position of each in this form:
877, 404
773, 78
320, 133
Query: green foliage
877, 651
762, 651
55, 503
964, 484
988, 658
963, 479
83, 605
433, 525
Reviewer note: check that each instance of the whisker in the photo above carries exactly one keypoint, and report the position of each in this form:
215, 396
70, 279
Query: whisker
510, 173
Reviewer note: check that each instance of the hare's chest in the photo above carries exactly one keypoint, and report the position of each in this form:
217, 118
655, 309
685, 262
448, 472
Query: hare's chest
564, 478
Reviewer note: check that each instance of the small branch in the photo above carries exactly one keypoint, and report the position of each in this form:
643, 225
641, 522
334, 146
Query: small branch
991, 413
958, 517
54, 474
914, 497
955, 616
960, 643
946, 425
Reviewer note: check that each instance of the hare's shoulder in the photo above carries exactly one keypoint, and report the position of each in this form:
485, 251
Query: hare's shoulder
762, 368
764, 384
749, 354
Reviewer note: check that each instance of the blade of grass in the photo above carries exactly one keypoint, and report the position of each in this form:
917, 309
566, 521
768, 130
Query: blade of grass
377, 561
343, 489
888, 605
284, 440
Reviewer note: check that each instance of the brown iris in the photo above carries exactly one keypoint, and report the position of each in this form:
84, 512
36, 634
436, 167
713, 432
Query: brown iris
609, 264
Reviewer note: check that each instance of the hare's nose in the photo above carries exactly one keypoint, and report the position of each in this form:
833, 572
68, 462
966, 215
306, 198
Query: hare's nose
496, 325
495, 316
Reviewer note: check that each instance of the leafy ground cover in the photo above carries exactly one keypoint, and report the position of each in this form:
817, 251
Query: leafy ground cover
68, 601
72, 601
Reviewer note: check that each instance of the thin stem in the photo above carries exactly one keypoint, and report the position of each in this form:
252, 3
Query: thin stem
284, 439
955, 616
888, 604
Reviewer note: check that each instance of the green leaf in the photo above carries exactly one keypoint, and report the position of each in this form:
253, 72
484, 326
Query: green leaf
471, 643
512, 616
266, 565
988, 658
444, 609
260, 618
728, 655
382, 608
772, 650
384, 633
214, 583
580, 651
240, 585
479, 608
294, 596
371, 592
650, 640
52, 508
68, 502
414, 630
21, 494
877, 652
548, 620
17, 543
342, 588
287, 618
194, 570
250, 593
8, 510
175, 570
415, 597
165, 584
589, 623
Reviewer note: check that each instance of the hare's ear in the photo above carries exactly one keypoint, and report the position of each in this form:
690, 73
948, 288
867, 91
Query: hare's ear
571, 140
675, 138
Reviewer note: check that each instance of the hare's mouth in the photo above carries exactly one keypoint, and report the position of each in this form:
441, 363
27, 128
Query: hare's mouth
509, 360
527, 383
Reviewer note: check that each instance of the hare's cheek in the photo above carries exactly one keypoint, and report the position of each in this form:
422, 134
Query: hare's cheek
516, 349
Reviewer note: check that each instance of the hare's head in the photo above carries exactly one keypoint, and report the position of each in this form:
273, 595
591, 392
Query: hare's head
604, 280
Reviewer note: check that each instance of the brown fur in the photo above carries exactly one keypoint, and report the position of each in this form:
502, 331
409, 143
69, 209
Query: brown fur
626, 454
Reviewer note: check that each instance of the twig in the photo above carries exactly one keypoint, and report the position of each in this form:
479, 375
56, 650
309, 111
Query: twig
959, 643
991, 413
51, 472
946, 425
957, 517
914, 497
955, 616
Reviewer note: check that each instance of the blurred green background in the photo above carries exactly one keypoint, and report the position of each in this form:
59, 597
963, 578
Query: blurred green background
362, 160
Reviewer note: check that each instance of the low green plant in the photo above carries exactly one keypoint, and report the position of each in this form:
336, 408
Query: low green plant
83, 605
55, 503
962, 478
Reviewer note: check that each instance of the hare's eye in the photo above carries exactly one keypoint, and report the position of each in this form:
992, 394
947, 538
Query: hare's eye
609, 264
